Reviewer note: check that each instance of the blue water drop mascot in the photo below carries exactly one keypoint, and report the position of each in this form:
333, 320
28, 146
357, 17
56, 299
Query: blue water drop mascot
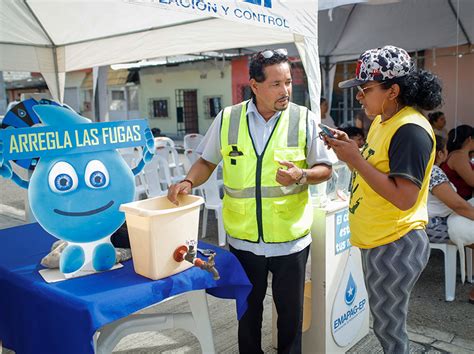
76, 197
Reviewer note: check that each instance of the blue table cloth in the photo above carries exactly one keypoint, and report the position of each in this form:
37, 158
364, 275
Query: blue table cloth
37, 317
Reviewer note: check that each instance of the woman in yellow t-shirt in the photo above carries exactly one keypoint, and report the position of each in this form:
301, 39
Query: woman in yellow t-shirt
387, 211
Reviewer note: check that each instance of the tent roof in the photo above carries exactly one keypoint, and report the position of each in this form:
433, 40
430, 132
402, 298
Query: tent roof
347, 31
54, 37
81, 31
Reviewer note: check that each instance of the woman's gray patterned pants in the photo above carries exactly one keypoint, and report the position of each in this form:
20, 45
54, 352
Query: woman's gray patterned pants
390, 273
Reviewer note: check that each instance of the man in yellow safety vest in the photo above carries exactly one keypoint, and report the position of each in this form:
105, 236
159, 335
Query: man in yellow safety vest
270, 152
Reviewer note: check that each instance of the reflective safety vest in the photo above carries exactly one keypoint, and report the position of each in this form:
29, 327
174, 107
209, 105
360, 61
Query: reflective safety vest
256, 206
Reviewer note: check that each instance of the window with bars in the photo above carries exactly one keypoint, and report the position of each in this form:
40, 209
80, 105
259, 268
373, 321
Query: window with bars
159, 108
212, 106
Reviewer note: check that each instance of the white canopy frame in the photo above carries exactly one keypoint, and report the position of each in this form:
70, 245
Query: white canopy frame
54, 37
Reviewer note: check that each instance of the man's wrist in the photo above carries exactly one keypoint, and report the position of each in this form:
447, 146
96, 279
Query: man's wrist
303, 177
191, 183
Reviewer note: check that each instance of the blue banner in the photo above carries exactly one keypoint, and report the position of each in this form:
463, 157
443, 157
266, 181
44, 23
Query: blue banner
342, 232
23, 143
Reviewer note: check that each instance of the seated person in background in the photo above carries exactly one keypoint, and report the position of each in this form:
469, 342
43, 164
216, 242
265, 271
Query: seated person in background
458, 166
355, 134
438, 122
326, 119
443, 199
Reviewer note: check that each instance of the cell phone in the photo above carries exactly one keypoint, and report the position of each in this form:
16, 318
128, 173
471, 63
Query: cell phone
326, 131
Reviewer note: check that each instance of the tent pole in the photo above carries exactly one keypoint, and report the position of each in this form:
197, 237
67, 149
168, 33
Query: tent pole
461, 26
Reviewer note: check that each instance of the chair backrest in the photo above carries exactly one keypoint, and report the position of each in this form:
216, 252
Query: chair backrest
163, 168
192, 141
163, 140
129, 158
152, 178
169, 153
191, 155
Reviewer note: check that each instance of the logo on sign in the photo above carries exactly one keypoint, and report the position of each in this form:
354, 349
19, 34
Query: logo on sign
351, 290
266, 3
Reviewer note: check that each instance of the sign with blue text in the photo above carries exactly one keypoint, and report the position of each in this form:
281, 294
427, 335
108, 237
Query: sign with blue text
343, 232
78, 178
290, 16
64, 139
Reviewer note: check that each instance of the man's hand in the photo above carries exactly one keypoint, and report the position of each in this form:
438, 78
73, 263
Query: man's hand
289, 176
183, 187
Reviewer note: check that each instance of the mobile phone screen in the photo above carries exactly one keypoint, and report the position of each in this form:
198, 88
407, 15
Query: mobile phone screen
325, 130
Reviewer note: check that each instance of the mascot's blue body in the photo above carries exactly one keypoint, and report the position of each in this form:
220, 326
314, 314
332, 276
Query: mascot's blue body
76, 197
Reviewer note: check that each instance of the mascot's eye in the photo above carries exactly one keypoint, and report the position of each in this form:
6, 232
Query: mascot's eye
98, 179
96, 175
62, 178
63, 182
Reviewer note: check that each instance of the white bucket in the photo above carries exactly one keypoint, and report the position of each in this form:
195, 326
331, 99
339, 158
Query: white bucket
156, 228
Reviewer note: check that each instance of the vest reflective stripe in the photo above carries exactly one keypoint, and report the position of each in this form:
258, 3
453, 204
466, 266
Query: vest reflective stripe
255, 205
293, 126
234, 124
267, 192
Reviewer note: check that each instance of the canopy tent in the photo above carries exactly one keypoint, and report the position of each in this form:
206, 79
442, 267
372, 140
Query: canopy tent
347, 31
54, 37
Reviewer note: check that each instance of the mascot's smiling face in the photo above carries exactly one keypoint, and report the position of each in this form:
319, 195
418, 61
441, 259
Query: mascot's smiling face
76, 197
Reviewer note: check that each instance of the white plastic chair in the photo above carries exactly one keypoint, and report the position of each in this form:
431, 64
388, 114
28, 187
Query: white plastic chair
191, 156
152, 178
192, 141
197, 322
132, 160
164, 140
213, 201
450, 251
166, 149
166, 175
469, 263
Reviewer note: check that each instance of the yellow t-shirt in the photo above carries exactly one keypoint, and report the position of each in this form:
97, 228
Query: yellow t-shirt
374, 221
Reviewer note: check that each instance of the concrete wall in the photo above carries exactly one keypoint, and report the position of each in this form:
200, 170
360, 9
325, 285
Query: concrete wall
443, 63
161, 83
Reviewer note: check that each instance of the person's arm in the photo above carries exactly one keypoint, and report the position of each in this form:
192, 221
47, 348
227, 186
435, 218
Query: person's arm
202, 169
409, 153
454, 201
460, 163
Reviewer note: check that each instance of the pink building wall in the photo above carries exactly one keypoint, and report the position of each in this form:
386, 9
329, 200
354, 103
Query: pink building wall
444, 65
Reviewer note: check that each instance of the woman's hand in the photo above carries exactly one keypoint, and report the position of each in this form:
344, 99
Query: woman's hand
345, 148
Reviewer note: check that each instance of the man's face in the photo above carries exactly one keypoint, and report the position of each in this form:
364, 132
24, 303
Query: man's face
274, 93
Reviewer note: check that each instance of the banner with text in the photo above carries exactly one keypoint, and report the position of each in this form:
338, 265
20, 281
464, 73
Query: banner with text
23, 143
292, 16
